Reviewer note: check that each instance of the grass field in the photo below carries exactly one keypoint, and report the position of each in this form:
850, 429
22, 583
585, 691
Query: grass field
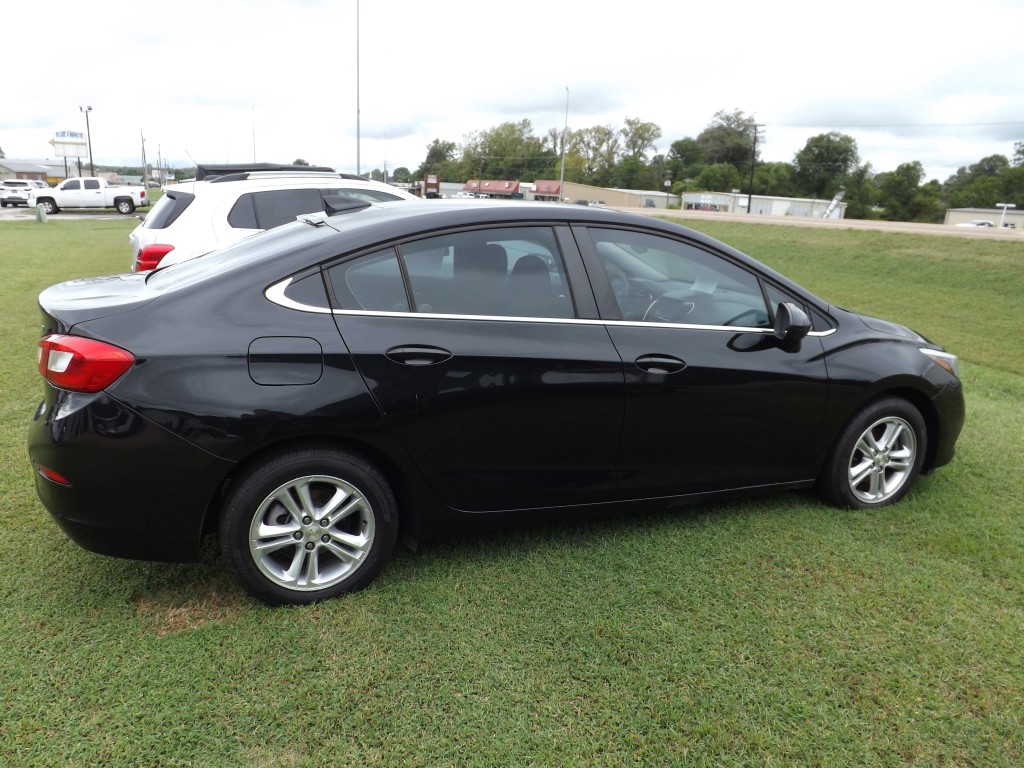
769, 632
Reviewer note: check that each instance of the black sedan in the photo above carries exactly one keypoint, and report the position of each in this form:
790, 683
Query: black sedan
379, 371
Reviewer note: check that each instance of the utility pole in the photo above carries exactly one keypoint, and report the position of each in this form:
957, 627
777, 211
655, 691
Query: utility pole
753, 161
145, 171
88, 136
565, 132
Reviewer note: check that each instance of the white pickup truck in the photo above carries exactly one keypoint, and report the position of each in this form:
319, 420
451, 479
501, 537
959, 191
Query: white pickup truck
88, 192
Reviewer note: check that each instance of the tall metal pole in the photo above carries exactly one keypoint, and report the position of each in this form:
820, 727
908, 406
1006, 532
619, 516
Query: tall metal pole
88, 137
358, 163
145, 173
753, 160
565, 131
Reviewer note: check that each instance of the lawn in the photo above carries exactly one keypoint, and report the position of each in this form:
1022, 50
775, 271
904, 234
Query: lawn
768, 632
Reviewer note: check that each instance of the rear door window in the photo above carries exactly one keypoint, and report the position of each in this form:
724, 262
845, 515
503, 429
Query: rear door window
270, 209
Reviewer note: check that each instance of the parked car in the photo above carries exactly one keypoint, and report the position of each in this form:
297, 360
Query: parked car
89, 192
976, 223
15, 192
377, 371
227, 203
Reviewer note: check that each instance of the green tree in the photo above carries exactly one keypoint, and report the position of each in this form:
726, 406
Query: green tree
775, 180
401, 175
508, 151
1018, 154
599, 148
905, 199
440, 160
638, 137
729, 138
862, 193
824, 163
719, 177
299, 161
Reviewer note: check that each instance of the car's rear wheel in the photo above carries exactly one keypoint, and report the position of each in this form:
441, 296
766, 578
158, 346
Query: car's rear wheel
125, 206
307, 525
877, 457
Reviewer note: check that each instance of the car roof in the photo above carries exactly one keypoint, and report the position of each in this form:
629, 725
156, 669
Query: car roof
318, 237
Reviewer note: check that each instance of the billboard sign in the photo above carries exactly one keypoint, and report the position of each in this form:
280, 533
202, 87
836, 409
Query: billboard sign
69, 144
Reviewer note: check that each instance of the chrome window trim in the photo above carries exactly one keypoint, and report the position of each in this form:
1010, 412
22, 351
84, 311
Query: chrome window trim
275, 294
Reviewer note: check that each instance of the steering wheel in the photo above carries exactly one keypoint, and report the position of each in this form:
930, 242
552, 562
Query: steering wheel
744, 313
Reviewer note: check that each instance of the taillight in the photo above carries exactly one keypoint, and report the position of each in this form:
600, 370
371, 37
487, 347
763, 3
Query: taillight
80, 364
150, 255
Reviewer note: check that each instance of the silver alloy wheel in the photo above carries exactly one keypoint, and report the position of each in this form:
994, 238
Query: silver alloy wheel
882, 460
311, 532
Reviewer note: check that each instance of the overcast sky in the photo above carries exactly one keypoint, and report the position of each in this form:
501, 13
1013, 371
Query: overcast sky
224, 81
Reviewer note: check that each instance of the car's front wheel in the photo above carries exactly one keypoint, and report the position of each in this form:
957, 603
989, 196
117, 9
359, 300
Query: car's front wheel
307, 525
877, 457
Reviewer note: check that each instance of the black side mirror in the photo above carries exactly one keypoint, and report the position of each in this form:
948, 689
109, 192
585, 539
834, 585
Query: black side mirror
791, 322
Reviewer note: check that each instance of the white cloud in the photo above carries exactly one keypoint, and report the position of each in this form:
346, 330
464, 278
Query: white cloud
218, 81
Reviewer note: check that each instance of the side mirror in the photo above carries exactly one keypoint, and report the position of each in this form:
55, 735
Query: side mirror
791, 322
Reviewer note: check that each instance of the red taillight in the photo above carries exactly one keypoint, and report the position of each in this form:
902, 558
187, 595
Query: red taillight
80, 364
52, 475
150, 255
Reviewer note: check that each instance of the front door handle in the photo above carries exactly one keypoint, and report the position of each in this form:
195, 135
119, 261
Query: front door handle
660, 363
415, 354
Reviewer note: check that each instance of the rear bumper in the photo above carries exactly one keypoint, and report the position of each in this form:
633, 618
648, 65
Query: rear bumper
130, 488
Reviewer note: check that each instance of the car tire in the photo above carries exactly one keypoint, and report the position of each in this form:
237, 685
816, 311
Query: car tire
307, 525
49, 207
877, 458
125, 207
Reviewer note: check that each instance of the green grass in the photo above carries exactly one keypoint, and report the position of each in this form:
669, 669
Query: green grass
768, 632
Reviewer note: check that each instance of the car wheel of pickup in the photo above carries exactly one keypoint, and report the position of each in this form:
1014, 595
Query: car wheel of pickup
307, 525
877, 457
49, 207
125, 206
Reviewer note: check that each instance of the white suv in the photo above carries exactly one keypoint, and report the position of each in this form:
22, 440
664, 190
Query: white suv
224, 204
14, 192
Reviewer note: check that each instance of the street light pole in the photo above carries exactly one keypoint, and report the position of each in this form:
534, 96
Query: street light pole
565, 132
88, 138
1004, 206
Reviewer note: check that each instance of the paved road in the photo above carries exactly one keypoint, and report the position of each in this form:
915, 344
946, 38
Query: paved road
800, 221
22, 213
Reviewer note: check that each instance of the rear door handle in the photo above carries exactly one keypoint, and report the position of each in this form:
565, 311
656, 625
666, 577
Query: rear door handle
414, 354
660, 363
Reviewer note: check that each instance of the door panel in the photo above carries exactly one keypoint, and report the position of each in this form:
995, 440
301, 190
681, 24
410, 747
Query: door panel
498, 414
742, 411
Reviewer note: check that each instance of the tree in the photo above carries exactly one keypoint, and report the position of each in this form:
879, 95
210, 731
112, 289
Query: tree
401, 175
720, 177
439, 159
599, 147
903, 197
862, 193
299, 161
1018, 154
729, 138
2, 155
508, 151
824, 163
638, 137
775, 180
